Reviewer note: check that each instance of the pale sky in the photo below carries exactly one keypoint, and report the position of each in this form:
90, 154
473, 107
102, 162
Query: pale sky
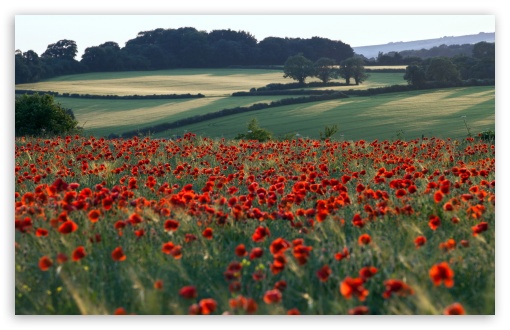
36, 32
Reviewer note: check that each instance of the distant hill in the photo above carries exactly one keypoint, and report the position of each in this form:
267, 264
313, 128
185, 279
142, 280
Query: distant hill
373, 51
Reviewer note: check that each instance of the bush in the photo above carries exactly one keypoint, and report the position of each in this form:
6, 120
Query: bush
39, 115
255, 132
487, 136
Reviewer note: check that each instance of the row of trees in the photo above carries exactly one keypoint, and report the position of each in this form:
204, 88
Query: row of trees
174, 48
298, 67
481, 65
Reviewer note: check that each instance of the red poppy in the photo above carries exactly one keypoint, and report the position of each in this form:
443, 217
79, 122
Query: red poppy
420, 241
464, 243
353, 287
195, 309
45, 263
367, 272
256, 253
280, 285
189, 238
118, 254
188, 292
479, 228
272, 296
158, 285
62, 258
260, 234
279, 245
438, 196
167, 247
241, 250
234, 286
400, 193
139, 233
293, 311
342, 255
441, 272
398, 287
41, 232
171, 225
323, 273
434, 222
454, 309
364, 239
78, 253
176, 252
120, 311
207, 306
207, 233
360, 310
94, 215
67, 227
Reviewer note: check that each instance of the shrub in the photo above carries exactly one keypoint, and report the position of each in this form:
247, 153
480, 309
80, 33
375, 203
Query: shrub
255, 132
39, 115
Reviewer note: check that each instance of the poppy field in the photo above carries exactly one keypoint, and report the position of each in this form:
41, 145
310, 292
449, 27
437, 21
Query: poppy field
207, 226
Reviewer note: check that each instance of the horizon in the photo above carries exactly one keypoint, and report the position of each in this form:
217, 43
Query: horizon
121, 28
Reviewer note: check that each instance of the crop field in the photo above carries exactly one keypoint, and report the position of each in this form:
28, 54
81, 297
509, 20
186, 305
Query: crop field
386, 116
204, 226
209, 82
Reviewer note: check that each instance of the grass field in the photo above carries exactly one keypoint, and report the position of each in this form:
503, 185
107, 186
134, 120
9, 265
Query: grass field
431, 113
210, 82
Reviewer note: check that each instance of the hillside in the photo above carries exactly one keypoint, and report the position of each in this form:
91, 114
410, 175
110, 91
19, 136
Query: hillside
373, 50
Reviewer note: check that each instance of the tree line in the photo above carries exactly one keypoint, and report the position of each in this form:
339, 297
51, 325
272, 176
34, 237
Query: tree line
173, 48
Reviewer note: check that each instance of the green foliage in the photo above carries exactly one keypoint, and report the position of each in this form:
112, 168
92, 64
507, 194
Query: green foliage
39, 115
442, 69
329, 131
415, 75
255, 132
488, 136
298, 68
324, 69
353, 68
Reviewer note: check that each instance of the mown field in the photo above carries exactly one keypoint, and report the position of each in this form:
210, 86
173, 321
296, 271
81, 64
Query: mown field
210, 82
204, 226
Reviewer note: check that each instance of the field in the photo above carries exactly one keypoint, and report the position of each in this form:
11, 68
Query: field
429, 113
204, 226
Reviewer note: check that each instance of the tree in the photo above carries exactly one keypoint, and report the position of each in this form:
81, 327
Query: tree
39, 115
353, 67
442, 69
298, 68
62, 49
324, 69
255, 132
415, 75
484, 50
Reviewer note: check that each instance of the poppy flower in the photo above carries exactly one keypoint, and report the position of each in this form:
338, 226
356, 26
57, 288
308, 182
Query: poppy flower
62, 258
158, 285
67, 227
45, 263
188, 238
342, 255
434, 222
420, 241
167, 247
194, 309
79, 253
359, 310
234, 286
260, 234
41, 232
364, 239
454, 309
207, 233
118, 254
240, 250
442, 273
367, 272
293, 311
256, 253
279, 245
207, 306
176, 252
94, 215
272, 296
398, 287
171, 225
479, 228
188, 292
438, 196
280, 285
353, 287
324, 272
120, 311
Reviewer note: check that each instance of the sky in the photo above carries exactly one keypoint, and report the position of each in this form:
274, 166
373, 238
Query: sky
36, 32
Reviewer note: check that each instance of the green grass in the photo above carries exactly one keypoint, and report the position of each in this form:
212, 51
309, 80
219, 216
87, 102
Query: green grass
210, 82
409, 115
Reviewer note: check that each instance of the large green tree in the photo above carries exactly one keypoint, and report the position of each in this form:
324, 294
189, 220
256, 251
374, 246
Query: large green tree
415, 75
298, 68
442, 69
62, 49
40, 115
325, 69
353, 68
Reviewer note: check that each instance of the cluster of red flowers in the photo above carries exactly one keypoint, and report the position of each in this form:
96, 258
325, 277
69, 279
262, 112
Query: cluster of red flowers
179, 192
